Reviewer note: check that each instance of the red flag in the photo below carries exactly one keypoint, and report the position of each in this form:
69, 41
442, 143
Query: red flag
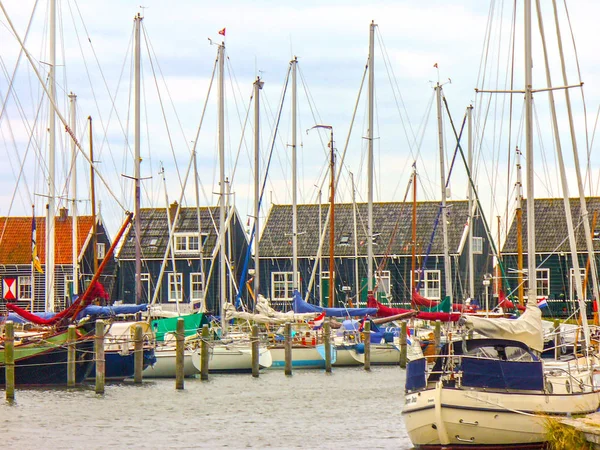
222, 32
435, 65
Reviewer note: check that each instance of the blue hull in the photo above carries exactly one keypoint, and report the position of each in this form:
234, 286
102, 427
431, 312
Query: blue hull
119, 367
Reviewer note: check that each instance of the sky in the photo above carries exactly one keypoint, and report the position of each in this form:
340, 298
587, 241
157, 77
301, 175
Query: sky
462, 44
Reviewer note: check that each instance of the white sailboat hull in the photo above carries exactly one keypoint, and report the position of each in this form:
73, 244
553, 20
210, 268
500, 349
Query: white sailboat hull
233, 358
303, 357
165, 364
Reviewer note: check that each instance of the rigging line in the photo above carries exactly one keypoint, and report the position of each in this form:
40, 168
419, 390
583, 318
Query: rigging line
162, 108
58, 113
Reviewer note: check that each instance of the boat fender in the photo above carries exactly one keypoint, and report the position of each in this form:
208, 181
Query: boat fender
568, 386
549, 387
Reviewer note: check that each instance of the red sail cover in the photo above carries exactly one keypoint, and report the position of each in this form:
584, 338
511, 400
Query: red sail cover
96, 291
505, 303
386, 311
419, 300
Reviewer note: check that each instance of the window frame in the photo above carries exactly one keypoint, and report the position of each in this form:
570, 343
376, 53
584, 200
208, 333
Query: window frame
477, 248
20, 283
429, 289
171, 287
542, 291
193, 282
187, 238
285, 286
100, 250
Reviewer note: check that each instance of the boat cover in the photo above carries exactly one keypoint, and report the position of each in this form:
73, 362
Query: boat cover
300, 306
266, 314
386, 311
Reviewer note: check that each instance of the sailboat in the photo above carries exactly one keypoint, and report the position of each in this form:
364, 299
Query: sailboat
497, 390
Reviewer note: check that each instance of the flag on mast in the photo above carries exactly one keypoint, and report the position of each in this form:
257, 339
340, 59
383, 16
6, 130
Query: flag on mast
222, 32
34, 257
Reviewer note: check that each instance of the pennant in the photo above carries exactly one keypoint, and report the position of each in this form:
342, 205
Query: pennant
543, 303
317, 322
435, 65
222, 32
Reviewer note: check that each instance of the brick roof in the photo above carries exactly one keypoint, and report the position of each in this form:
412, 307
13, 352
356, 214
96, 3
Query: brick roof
276, 238
551, 226
16, 233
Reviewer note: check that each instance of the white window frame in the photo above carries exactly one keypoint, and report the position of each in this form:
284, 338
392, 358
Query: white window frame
100, 250
193, 282
477, 245
171, 292
572, 282
68, 279
431, 278
543, 289
384, 282
145, 278
24, 280
183, 243
283, 286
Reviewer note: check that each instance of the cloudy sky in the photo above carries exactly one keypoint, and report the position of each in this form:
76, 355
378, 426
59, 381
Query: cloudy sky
468, 40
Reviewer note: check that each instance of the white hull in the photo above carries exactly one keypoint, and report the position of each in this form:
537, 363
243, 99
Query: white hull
165, 364
233, 358
443, 416
381, 354
302, 358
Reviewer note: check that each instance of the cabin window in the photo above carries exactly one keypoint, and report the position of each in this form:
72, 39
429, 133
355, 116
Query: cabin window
197, 286
24, 288
428, 283
477, 245
175, 287
188, 242
573, 285
101, 250
543, 282
282, 285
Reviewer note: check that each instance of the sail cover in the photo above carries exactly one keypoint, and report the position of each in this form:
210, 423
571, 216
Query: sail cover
266, 314
386, 311
527, 328
300, 306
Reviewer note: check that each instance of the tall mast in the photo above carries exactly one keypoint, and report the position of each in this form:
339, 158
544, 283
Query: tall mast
519, 229
470, 194
257, 87
51, 213
447, 263
332, 225
356, 277
370, 160
222, 193
413, 258
295, 283
137, 161
200, 242
74, 252
93, 201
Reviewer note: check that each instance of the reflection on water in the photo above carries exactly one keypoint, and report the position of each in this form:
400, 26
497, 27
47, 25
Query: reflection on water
348, 409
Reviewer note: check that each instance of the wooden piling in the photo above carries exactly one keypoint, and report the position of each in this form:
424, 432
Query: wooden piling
204, 349
179, 349
288, 348
71, 355
99, 357
255, 351
437, 336
327, 344
367, 344
138, 361
403, 345
9, 359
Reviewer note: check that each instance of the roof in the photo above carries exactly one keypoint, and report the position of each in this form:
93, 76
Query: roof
155, 230
551, 226
276, 238
16, 236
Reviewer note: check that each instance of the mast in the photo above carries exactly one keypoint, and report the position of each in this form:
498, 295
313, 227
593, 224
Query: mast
356, 277
51, 212
74, 252
171, 227
295, 284
137, 161
470, 195
258, 85
370, 161
447, 263
221, 140
519, 228
93, 201
413, 257
332, 226
199, 220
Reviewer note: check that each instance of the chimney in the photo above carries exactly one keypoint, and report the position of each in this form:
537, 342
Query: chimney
64, 213
173, 210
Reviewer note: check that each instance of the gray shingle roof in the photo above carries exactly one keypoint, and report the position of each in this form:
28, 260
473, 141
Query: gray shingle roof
276, 238
551, 226
155, 231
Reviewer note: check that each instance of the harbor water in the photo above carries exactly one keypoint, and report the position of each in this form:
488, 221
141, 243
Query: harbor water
349, 408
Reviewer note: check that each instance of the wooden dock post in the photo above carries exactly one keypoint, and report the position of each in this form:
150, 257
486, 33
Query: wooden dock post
204, 353
179, 355
138, 361
255, 351
71, 355
327, 343
403, 345
367, 344
100, 361
437, 336
288, 348
9, 359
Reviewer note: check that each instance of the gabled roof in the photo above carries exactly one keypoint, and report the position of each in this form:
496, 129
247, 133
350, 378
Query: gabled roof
551, 226
155, 230
16, 235
276, 238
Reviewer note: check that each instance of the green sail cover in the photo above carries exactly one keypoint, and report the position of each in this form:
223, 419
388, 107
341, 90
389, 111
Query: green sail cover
191, 324
443, 306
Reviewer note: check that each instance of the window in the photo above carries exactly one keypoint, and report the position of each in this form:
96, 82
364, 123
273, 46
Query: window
69, 288
282, 285
573, 285
430, 286
175, 287
197, 286
24, 288
187, 242
101, 250
383, 282
376, 238
477, 245
543, 282
145, 280
596, 235
345, 240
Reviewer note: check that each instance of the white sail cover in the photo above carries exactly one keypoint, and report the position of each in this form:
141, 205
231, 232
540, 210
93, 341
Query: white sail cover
526, 329
266, 314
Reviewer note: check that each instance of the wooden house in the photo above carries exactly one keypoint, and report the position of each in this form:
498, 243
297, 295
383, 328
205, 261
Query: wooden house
392, 248
195, 258
24, 285
555, 273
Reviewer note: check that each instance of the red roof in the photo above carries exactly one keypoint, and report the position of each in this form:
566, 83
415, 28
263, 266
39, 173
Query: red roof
16, 233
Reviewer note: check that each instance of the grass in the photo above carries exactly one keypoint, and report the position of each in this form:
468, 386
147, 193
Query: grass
560, 436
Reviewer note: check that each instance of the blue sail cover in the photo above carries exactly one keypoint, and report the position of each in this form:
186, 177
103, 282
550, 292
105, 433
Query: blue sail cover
300, 306
108, 311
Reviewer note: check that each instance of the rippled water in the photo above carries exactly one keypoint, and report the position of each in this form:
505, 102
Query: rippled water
350, 408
